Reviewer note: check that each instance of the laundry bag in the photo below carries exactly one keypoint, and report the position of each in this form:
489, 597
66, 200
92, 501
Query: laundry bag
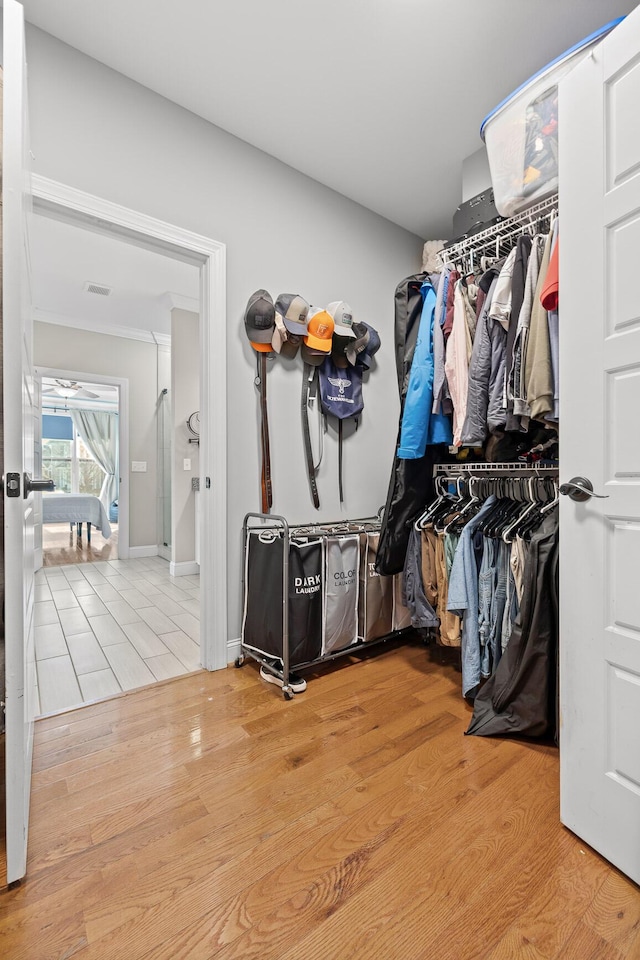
341, 589
263, 603
305, 599
401, 613
375, 607
521, 133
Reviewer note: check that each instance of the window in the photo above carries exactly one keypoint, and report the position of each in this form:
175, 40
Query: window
67, 461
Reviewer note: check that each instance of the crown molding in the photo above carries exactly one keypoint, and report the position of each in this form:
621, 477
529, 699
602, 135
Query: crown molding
93, 326
176, 301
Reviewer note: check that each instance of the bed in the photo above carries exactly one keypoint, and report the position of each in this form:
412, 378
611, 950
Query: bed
76, 508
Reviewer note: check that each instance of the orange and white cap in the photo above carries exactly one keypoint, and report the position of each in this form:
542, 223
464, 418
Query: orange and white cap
320, 331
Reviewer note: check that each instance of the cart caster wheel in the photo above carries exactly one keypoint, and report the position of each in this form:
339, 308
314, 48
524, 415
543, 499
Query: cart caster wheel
288, 693
239, 661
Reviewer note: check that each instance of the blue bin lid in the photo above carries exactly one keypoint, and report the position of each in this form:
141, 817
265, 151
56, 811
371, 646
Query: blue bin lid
596, 35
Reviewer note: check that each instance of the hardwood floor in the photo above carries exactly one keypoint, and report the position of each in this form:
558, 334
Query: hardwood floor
61, 545
208, 818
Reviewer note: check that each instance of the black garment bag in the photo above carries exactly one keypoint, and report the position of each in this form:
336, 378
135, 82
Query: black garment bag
411, 483
521, 696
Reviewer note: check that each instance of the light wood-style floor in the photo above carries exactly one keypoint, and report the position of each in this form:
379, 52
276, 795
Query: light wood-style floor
208, 818
61, 545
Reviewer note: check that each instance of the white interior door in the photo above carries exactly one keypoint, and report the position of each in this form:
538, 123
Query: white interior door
600, 415
18, 413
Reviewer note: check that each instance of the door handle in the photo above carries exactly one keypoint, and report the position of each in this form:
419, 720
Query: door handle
580, 489
36, 486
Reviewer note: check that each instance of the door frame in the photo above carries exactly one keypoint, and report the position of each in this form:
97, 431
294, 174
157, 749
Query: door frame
61, 202
122, 386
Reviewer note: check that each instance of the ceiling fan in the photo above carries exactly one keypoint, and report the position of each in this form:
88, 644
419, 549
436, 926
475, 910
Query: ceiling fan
70, 390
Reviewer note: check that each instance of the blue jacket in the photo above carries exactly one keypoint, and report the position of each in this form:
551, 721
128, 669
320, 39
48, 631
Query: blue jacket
419, 425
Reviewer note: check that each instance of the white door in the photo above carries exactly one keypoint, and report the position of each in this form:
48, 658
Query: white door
599, 154
18, 415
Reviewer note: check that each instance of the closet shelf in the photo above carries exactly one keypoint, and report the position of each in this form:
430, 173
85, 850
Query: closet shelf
457, 469
489, 241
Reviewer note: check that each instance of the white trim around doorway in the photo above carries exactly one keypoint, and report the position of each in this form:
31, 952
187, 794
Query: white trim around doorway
61, 202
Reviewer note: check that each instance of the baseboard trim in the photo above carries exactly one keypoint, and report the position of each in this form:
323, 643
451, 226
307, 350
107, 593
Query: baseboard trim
138, 553
233, 649
188, 568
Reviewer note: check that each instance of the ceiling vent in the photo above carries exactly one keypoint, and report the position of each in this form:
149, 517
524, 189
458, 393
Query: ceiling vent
99, 288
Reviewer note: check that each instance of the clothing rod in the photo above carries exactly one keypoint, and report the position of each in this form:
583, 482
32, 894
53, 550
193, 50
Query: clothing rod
456, 469
502, 231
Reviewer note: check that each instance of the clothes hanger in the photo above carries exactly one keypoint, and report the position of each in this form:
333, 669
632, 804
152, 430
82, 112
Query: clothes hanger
443, 494
528, 509
465, 509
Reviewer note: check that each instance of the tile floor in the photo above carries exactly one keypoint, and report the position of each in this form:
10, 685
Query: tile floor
101, 628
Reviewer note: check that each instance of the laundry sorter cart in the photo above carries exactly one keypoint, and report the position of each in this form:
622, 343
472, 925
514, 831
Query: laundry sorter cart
311, 594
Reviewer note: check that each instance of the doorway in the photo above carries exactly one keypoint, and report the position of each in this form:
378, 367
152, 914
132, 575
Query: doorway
81, 440
72, 207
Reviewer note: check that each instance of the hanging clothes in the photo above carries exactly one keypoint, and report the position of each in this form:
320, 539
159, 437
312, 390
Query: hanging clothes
441, 398
411, 481
520, 698
459, 348
419, 425
486, 373
516, 390
463, 602
549, 300
414, 594
538, 376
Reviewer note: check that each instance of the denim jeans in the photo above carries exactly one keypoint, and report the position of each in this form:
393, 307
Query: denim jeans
486, 586
499, 601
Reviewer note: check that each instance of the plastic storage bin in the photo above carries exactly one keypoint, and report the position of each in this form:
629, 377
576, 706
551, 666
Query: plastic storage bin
521, 134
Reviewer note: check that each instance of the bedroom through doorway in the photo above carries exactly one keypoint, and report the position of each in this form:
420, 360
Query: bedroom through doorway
80, 452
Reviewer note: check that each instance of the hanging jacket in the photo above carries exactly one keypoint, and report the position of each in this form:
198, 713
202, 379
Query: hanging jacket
538, 375
441, 398
419, 425
408, 311
520, 698
423, 615
459, 347
411, 481
487, 360
521, 263
516, 390
501, 304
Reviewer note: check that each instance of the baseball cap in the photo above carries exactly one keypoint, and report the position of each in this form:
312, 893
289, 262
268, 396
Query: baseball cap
283, 342
259, 320
294, 311
371, 348
366, 344
319, 331
342, 318
314, 357
339, 346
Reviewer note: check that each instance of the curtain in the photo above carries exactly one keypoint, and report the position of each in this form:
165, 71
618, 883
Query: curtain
99, 431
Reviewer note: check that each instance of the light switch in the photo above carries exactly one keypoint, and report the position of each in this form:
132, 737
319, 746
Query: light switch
138, 466
186, 464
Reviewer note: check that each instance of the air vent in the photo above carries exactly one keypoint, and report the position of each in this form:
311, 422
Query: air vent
98, 288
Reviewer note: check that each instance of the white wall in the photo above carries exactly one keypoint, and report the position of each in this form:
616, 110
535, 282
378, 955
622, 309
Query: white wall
476, 175
185, 400
96, 130
66, 348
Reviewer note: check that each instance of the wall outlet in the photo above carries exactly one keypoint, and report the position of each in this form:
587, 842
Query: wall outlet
186, 464
138, 466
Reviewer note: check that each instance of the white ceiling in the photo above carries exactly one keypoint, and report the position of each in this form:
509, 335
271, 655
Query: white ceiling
64, 257
379, 99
